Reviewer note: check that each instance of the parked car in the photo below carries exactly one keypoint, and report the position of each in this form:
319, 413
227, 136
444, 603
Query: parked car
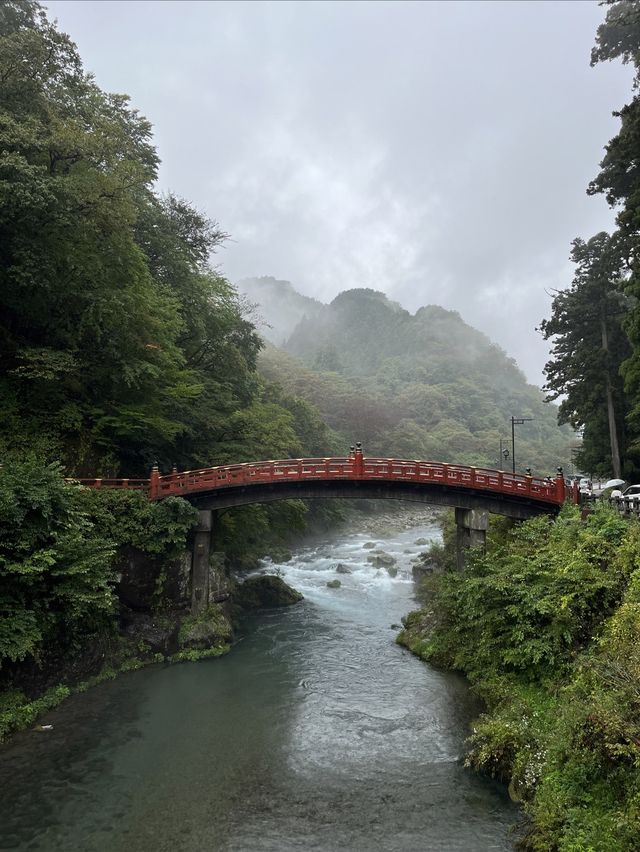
628, 493
585, 485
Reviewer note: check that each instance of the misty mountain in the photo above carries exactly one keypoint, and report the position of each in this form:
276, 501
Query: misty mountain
423, 385
278, 307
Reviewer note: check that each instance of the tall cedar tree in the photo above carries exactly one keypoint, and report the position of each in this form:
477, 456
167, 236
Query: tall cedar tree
589, 347
619, 179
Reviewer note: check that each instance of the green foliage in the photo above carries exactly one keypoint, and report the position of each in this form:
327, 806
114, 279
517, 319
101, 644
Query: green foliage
130, 518
526, 606
589, 347
55, 579
248, 533
619, 180
546, 626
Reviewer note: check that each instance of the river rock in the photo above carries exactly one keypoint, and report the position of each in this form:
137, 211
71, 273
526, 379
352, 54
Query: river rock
210, 628
341, 568
158, 633
421, 541
334, 584
369, 545
381, 560
392, 571
267, 590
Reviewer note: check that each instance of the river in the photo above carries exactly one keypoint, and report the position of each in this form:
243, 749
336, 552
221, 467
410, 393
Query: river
317, 732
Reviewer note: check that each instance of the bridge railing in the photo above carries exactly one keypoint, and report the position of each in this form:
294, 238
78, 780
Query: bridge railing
340, 468
463, 475
350, 468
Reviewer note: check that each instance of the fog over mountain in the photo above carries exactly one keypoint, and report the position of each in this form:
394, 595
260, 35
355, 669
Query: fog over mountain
422, 385
439, 151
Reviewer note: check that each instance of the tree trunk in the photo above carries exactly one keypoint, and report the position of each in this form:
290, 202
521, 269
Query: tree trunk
611, 414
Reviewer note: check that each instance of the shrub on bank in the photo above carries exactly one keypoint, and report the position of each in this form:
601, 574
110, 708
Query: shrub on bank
55, 582
57, 548
546, 625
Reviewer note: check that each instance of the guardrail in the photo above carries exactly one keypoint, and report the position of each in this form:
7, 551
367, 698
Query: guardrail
629, 507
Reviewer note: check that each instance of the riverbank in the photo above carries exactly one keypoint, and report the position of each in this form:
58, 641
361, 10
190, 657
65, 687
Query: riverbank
546, 625
144, 640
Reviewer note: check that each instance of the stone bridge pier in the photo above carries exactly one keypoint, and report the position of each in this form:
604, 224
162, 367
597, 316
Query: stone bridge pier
471, 531
200, 573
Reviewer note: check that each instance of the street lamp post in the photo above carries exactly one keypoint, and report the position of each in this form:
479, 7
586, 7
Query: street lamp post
516, 421
504, 453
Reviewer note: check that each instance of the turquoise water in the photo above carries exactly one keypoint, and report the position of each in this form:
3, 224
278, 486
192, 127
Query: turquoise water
317, 732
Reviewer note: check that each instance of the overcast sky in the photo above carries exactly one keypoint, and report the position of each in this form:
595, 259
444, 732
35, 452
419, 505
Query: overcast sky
438, 151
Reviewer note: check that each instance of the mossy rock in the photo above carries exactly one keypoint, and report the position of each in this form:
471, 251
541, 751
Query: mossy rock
334, 584
369, 545
421, 541
206, 630
268, 590
392, 571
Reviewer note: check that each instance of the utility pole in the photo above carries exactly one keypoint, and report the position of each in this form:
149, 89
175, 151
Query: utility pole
516, 421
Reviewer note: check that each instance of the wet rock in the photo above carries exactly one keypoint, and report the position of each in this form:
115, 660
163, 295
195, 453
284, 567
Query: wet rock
159, 633
421, 541
268, 590
334, 584
369, 545
392, 571
210, 628
421, 568
341, 568
381, 560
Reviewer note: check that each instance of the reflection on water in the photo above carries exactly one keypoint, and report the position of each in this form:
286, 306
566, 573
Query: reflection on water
316, 732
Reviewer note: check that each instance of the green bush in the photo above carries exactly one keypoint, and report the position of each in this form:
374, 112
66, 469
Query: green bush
546, 624
55, 577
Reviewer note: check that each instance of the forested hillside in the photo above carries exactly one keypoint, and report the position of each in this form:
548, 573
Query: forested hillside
417, 386
119, 343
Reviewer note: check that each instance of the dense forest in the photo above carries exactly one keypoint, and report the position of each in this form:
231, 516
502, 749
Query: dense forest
120, 345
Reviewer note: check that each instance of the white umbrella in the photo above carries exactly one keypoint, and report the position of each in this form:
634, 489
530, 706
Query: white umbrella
614, 483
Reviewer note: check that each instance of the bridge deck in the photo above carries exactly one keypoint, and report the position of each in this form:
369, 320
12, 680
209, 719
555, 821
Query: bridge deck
351, 468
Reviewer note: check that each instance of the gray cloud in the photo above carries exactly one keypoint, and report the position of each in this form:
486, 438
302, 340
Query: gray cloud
437, 151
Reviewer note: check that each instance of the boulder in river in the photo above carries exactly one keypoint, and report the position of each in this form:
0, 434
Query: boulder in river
392, 571
267, 590
381, 560
341, 568
334, 584
369, 545
421, 541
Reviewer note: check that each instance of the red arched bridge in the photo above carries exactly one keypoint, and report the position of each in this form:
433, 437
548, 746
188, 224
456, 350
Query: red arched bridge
472, 491
515, 495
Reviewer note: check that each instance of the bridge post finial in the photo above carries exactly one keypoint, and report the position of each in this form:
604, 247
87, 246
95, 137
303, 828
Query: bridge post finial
561, 489
359, 459
154, 482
